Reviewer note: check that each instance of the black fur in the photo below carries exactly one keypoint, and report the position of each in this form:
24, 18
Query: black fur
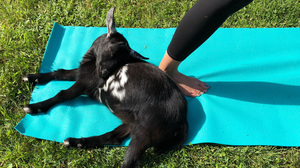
149, 103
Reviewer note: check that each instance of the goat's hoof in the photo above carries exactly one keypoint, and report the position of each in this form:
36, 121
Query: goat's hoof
31, 78
73, 142
30, 110
67, 143
25, 79
27, 110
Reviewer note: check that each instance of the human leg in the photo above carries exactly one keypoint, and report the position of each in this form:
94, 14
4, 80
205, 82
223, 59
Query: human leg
200, 22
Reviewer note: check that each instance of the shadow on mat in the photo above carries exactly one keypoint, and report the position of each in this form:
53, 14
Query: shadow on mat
196, 118
257, 92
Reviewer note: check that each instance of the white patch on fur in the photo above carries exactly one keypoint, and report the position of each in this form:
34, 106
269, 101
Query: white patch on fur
100, 90
116, 84
123, 76
108, 82
107, 105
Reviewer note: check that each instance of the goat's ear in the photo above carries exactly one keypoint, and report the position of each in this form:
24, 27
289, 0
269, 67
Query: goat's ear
110, 22
136, 55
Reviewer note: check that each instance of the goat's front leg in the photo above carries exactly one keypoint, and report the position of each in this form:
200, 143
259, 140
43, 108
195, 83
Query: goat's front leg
74, 91
61, 74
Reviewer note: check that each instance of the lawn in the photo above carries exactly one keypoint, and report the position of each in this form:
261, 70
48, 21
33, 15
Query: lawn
25, 26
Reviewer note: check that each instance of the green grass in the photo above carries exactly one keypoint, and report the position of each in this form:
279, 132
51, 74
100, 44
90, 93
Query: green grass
25, 26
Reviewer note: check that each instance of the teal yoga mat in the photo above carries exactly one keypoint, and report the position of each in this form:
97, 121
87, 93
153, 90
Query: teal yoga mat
254, 75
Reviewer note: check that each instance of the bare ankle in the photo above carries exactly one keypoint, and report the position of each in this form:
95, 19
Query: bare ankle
189, 86
169, 65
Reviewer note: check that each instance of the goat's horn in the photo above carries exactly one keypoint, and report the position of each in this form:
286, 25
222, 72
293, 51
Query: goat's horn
110, 23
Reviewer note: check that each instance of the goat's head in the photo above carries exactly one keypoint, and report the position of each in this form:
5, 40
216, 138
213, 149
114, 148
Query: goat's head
112, 49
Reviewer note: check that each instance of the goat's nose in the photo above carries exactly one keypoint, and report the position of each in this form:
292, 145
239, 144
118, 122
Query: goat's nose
104, 73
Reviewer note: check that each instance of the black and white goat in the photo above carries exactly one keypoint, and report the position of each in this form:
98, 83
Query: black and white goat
149, 103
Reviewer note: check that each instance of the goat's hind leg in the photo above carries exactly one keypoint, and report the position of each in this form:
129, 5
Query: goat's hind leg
141, 140
114, 137
172, 142
42, 78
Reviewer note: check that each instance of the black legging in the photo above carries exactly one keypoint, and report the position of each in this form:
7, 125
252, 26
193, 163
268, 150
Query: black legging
199, 23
